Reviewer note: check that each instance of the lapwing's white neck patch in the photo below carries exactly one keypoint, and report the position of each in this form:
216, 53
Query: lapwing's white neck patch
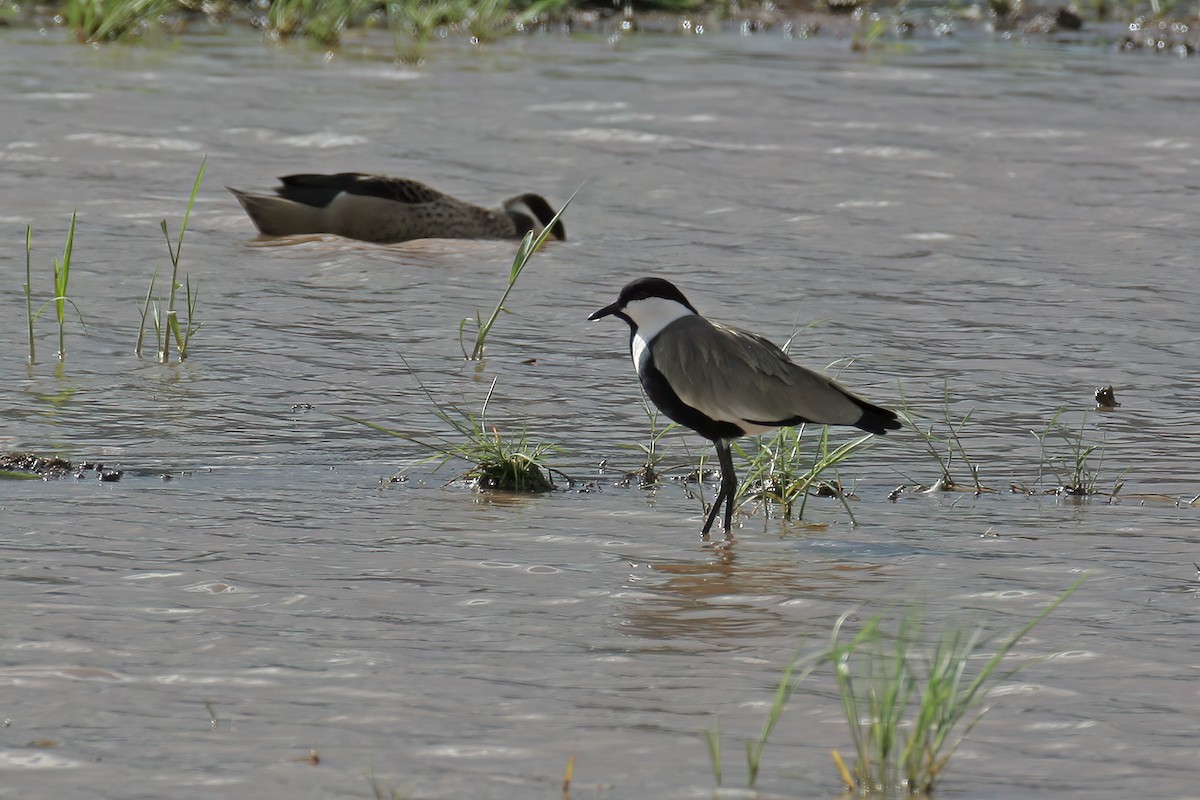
650, 315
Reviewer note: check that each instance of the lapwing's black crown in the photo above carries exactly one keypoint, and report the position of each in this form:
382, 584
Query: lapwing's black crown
644, 288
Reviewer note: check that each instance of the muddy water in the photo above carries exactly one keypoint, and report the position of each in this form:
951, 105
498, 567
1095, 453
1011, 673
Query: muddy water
1009, 224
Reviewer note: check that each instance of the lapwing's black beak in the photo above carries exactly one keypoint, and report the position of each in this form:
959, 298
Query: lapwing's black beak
607, 311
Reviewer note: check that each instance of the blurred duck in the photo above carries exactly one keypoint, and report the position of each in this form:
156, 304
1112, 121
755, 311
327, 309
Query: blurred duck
375, 208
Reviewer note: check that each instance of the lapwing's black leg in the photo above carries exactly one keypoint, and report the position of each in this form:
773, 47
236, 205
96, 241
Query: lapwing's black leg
729, 482
727, 491
712, 511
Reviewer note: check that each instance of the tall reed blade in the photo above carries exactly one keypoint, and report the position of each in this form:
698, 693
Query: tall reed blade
137, 348
29, 315
529, 246
62, 276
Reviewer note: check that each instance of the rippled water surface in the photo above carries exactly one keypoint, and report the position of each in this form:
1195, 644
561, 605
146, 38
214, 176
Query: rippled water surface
1007, 225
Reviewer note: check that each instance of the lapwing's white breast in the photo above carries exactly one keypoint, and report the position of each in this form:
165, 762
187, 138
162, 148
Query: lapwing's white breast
650, 315
639, 348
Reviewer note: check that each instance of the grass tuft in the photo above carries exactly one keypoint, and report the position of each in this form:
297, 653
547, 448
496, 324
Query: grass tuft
167, 327
783, 692
908, 705
113, 20
320, 21
381, 791
413, 23
1077, 474
789, 682
502, 462
650, 473
486, 20
781, 476
909, 709
942, 438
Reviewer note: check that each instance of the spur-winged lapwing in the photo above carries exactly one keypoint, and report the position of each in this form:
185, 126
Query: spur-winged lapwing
375, 208
724, 382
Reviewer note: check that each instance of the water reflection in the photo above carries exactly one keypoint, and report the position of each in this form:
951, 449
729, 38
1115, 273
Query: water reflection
724, 601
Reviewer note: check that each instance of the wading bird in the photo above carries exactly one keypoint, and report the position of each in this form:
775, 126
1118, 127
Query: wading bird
724, 382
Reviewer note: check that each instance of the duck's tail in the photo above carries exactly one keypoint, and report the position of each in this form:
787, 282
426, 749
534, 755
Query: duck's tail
276, 216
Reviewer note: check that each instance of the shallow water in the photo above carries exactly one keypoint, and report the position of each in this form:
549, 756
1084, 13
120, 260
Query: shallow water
1008, 223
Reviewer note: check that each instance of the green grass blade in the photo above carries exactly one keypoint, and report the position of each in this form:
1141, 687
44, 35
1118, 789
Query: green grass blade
137, 348
529, 245
783, 692
712, 738
187, 214
29, 289
62, 277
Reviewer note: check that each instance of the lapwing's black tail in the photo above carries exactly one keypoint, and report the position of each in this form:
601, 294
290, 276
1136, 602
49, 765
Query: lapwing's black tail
876, 419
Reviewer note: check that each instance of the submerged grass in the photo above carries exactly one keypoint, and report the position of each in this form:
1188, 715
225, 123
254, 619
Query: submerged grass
167, 327
381, 791
504, 462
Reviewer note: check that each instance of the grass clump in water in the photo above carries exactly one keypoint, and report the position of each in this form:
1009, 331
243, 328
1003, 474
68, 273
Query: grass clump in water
114, 20
1076, 472
650, 473
381, 791
321, 21
909, 709
414, 22
908, 705
945, 445
781, 476
503, 462
167, 326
